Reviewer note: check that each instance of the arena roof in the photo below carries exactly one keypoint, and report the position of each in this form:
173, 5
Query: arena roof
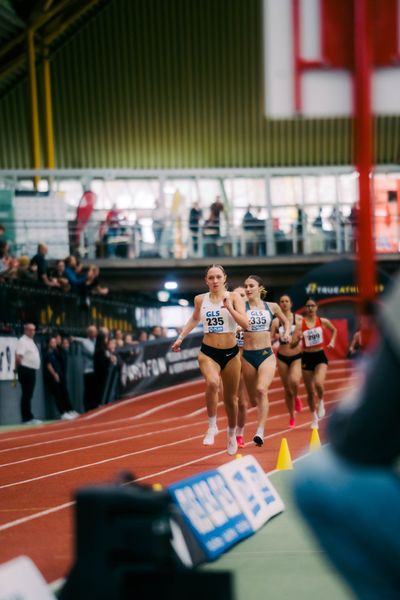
53, 22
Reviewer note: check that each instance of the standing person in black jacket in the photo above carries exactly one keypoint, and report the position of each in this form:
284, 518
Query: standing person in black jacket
55, 380
103, 361
350, 492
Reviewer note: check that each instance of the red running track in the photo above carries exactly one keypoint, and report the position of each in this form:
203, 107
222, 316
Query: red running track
157, 436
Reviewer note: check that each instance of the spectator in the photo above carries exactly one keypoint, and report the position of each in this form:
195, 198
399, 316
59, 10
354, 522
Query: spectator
156, 333
112, 382
353, 221
143, 336
25, 271
56, 381
249, 227
72, 273
62, 351
128, 340
88, 349
27, 359
356, 344
42, 268
194, 226
103, 360
12, 272
337, 222
212, 228
93, 282
59, 275
115, 220
159, 217
301, 223
118, 338
2, 232
318, 220
5, 260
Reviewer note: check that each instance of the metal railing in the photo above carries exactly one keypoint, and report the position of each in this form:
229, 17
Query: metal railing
54, 310
178, 240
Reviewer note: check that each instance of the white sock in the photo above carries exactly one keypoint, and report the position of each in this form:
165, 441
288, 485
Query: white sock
212, 422
231, 431
260, 432
240, 431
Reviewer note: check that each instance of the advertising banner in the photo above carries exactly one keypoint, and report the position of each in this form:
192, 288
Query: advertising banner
224, 506
152, 366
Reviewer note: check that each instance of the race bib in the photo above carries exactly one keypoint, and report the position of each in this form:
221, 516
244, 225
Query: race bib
259, 320
313, 337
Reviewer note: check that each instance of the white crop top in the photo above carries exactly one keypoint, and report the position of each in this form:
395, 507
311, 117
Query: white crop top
260, 319
215, 318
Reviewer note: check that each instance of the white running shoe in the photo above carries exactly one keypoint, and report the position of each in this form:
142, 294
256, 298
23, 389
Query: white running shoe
67, 416
73, 414
33, 422
314, 422
209, 437
321, 410
232, 445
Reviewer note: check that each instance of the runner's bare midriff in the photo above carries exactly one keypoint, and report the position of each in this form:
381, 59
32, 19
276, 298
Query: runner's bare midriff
257, 340
220, 340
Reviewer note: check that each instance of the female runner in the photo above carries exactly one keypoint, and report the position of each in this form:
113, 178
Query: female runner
220, 312
289, 357
259, 361
314, 362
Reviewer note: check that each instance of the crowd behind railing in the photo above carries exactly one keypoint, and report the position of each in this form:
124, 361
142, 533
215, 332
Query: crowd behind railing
165, 235
215, 236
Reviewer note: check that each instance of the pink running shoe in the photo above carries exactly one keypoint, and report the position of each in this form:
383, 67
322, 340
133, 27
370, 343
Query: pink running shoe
298, 405
240, 441
292, 424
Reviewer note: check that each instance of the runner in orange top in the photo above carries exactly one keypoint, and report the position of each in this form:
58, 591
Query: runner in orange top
314, 362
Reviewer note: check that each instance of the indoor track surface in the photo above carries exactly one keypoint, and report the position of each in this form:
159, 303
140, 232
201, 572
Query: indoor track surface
157, 437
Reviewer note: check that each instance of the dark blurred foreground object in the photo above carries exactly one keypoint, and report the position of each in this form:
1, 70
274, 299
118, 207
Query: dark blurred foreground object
350, 492
131, 543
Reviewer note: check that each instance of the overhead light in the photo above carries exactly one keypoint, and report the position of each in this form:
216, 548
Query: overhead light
183, 302
163, 296
170, 285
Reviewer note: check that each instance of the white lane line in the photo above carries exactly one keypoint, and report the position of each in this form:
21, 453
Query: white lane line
123, 439
100, 444
144, 451
160, 407
48, 511
141, 398
124, 403
42, 513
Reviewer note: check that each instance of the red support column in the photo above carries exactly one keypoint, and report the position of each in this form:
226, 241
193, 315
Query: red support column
363, 60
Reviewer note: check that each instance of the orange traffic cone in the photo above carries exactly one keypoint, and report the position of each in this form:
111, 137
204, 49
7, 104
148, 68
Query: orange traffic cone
284, 459
315, 442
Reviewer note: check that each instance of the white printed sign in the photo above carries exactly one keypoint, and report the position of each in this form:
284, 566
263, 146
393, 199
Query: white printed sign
7, 357
252, 489
21, 580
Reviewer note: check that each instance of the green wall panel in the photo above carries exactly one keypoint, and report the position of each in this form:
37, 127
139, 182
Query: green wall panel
173, 84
